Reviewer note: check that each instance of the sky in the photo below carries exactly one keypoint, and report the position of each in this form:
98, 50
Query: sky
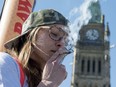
67, 7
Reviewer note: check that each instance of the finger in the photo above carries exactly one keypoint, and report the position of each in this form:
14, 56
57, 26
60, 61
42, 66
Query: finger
59, 55
60, 58
63, 50
66, 75
54, 57
64, 68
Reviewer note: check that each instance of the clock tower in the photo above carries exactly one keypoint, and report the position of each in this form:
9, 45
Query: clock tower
91, 66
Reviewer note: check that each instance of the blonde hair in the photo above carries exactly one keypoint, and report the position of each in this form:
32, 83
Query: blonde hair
27, 48
33, 72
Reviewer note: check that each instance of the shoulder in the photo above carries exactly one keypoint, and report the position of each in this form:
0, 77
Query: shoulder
5, 58
7, 61
3, 54
9, 71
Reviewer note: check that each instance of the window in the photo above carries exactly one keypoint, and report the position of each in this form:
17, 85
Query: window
82, 65
99, 67
93, 66
88, 66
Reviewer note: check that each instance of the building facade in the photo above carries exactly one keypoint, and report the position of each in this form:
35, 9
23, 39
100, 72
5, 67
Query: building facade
91, 66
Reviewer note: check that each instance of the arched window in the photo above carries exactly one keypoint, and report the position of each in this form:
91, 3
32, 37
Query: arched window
88, 66
82, 65
93, 66
99, 67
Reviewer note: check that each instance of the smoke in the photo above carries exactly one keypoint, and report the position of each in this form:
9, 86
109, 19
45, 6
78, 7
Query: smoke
79, 17
112, 46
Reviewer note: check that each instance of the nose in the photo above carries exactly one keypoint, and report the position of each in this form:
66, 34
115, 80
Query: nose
60, 43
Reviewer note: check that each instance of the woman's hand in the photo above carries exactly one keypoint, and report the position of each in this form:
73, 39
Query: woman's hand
54, 72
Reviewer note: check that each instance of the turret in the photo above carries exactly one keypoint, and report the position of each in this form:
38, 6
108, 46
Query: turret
95, 10
107, 29
107, 32
103, 20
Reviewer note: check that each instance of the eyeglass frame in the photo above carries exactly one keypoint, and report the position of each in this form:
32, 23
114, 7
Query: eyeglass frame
65, 30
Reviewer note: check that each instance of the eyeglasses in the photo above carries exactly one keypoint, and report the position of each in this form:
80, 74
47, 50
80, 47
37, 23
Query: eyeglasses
57, 33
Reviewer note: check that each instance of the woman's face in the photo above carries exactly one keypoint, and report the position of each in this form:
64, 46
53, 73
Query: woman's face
49, 40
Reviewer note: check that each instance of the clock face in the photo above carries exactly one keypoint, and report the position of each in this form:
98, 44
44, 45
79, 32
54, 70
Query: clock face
92, 34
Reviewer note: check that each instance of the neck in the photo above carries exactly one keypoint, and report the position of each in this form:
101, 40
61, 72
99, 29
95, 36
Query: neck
39, 60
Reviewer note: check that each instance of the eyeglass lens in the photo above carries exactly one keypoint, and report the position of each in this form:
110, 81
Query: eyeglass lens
56, 33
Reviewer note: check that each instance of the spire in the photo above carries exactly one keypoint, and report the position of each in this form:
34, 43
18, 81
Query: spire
103, 19
107, 33
107, 29
95, 10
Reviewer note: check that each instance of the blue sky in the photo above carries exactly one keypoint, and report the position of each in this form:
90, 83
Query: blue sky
65, 6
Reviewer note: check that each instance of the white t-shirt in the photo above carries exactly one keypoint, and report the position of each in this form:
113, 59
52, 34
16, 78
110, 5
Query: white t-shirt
9, 72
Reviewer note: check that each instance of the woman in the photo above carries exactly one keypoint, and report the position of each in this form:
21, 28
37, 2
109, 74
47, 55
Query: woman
36, 55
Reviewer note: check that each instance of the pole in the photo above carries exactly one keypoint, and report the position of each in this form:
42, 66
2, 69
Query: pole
14, 14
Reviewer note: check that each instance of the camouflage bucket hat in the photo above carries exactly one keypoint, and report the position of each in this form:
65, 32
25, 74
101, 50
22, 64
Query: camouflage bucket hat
36, 19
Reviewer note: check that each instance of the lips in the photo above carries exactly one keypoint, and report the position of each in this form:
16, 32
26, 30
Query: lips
53, 51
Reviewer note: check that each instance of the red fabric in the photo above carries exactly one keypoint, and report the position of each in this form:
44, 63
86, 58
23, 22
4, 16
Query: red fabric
22, 75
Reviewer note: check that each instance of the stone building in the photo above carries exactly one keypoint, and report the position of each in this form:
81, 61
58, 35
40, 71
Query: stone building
91, 67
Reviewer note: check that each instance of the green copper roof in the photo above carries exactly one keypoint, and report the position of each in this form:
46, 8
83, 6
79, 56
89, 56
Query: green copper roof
95, 12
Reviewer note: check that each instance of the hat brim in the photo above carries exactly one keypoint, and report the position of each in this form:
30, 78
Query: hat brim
14, 41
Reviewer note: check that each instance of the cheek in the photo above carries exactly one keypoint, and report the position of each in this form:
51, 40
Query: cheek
44, 41
45, 44
41, 40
